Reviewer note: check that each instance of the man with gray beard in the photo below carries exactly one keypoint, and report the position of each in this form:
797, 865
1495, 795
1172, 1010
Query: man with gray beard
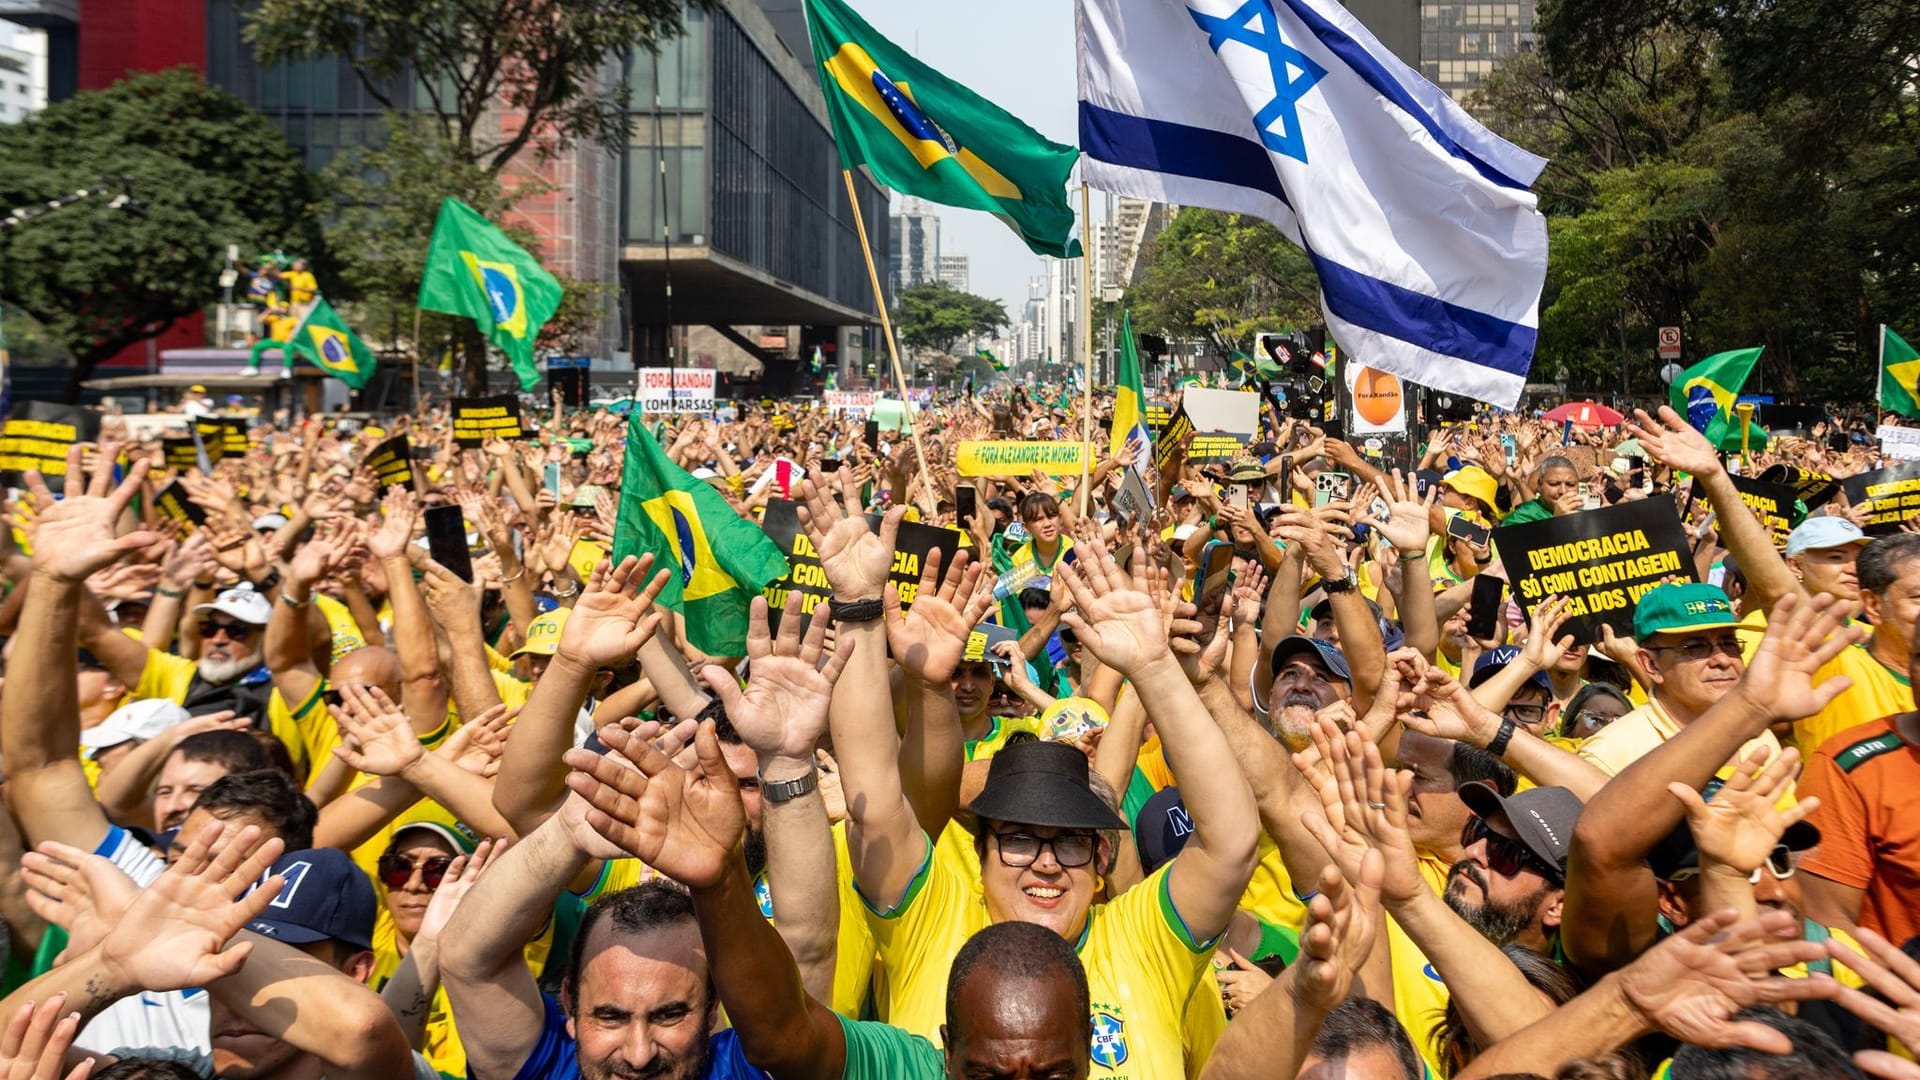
1309, 674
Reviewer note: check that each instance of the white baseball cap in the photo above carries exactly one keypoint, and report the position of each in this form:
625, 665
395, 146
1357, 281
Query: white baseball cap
242, 603
140, 720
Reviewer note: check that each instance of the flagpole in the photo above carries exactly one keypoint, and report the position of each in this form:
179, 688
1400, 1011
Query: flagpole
886, 327
419, 400
1086, 345
1880, 376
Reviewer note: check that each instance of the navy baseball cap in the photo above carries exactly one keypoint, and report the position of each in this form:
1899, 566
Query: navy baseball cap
1494, 660
1162, 828
1326, 652
326, 898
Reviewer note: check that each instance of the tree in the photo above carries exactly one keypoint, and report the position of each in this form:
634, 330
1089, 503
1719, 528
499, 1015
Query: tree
210, 171
937, 316
1224, 276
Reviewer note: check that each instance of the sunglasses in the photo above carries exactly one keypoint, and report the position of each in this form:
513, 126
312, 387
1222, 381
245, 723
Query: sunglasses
1779, 861
1506, 856
1700, 650
233, 631
396, 870
1018, 850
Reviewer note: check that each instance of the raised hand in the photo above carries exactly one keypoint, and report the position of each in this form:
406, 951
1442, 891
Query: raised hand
36, 1041
375, 736
856, 561
74, 537
191, 561
929, 638
1744, 822
1894, 1005
1115, 617
462, 875
783, 711
1406, 525
175, 933
1450, 711
614, 615
78, 891
1342, 922
397, 514
684, 824
1802, 636
1670, 440
1691, 984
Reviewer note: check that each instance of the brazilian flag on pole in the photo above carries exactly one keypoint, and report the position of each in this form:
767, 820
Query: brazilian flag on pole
718, 559
922, 134
1129, 393
324, 338
993, 361
1899, 375
474, 270
1705, 392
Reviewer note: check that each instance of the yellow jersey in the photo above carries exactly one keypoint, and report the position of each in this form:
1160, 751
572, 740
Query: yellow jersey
346, 632
307, 729
1419, 996
1004, 728
1877, 691
1143, 966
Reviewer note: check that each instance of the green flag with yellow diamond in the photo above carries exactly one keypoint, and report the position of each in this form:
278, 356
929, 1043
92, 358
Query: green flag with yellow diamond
1899, 375
324, 338
474, 269
923, 134
717, 560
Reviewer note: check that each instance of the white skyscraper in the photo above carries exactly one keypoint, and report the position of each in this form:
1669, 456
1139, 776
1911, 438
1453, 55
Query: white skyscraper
914, 245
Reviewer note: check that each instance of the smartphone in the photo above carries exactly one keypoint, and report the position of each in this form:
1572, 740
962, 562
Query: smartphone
1483, 610
1638, 478
872, 435
1213, 575
1237, 495
966, 503
1462, 527
1588, 499
553, 479
829, 464
447, 540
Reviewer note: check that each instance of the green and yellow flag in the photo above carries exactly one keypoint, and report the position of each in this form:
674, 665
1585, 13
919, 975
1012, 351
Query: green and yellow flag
993, 361
718, 560
1899, 375
922, 134
474, 270
1705, 392
1129, 393
324, 338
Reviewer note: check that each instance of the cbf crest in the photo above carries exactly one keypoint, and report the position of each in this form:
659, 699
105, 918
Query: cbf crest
1110, 1049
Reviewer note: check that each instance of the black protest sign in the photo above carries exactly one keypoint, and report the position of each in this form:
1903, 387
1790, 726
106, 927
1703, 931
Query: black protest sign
910, 550
1813, 488
173, 504
1602, 560
392, 463
212, 433
180, 452
38, 435
475, 419
1771, 503
1158, 413
1891, 496
233, 437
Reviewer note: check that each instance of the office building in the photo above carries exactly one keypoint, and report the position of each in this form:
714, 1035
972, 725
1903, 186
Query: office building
1461, 42
954, 272
913, 253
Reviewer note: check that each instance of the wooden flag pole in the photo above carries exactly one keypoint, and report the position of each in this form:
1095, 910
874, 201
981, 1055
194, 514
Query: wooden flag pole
1086, 347
419, 397
886, 327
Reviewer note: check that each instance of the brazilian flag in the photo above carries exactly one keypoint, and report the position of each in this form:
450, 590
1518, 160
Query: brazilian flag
719, 560
922, 134
324, 338
993, 361
1705, 393
1899, 375
474, 269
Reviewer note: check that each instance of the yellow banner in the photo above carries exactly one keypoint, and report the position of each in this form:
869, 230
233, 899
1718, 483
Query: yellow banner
1010, 457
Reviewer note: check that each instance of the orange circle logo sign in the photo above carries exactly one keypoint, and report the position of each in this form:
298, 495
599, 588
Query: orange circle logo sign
1376, 396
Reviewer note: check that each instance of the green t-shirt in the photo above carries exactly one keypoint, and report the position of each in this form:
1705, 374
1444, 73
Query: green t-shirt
884, 1052
1531, 510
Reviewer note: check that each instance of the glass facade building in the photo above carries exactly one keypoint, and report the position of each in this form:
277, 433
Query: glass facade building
1460, 42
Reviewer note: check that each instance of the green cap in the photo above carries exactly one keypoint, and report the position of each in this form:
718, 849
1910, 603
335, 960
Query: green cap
1682, 609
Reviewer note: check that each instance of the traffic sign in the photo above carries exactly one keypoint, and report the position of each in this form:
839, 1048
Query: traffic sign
1670, 373
1669, 343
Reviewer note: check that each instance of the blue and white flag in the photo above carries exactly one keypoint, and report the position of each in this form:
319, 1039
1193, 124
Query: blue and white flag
1430, 250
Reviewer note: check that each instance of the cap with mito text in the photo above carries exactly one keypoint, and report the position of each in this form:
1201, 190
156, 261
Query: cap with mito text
543, 635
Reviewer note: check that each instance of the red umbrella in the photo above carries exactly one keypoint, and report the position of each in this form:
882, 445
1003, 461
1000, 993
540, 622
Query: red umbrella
1586, 414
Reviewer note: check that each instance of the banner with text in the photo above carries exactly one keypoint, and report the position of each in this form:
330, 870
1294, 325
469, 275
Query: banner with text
1222, 423
1812, 487
174, 505
910, 550
392, 463
180, 452
37, 436
1891, 496
855, 403
1602, 560
1771, 503
671, 390
1900, 442
1012, 457
475, 419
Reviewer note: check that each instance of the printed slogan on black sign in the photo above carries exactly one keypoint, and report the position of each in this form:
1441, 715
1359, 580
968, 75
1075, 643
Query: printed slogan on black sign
910, 550
38, 435
1602, 560
392, 462
1891, 496
1771, 503
174, 505
477, 418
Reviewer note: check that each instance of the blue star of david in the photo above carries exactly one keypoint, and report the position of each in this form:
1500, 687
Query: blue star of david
1254, 25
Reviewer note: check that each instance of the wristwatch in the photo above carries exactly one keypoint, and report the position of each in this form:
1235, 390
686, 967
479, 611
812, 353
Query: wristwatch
1498, 747
1345, 584
775, 792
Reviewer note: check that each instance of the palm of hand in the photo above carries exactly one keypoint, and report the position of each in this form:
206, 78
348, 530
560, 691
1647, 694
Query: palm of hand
1727, 831
573, 817
688, 834
71, 538
1125, 629
929, 639
784, 708
1691, 1000
385, 754
1406, 528
604, 622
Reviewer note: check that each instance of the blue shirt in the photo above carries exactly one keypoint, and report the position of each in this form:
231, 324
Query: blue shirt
555, 1057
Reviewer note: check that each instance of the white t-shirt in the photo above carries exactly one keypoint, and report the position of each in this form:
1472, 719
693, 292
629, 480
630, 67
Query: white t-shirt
178, 1018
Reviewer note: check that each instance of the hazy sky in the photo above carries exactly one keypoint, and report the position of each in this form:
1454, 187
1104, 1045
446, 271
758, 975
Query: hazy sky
1019, 55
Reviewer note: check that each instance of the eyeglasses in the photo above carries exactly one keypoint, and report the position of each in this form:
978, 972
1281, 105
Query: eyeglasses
1779, 861
396, 870
1018, 850
1700, 650
1525, 715
233, 631
1592, 719
1506, 856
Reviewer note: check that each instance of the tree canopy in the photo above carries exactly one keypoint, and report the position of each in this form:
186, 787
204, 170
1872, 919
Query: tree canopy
210, 171
1224, 277
938, 317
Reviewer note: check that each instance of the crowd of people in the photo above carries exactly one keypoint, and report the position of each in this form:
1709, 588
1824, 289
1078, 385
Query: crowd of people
288, 798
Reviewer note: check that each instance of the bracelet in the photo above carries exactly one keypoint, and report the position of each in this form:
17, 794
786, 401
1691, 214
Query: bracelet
1498, 747
568, 595
518, 574
858, 611
171, 594
286, 598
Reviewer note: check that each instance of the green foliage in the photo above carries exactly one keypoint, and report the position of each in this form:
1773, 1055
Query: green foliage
938, 316
543, 62
1224, 276
211, 172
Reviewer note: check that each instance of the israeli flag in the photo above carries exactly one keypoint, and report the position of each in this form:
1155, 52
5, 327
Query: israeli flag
1430, 250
